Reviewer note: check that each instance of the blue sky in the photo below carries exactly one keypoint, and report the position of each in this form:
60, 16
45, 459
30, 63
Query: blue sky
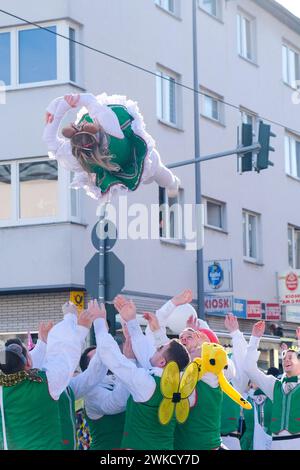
292, 5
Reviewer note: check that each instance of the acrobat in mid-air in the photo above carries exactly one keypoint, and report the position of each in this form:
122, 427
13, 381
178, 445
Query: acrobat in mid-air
107, 148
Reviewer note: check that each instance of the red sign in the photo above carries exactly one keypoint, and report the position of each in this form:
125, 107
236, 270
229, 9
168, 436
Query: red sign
273, 312
291, 281
254, 310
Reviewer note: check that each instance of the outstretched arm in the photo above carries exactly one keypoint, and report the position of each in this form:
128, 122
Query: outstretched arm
63, 352
265, 382
137, 380
102, 113
239, 350
58, 147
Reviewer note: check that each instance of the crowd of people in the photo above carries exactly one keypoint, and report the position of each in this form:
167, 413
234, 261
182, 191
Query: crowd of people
121, 387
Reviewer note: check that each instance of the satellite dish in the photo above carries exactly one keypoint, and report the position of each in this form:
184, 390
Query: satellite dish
177, 320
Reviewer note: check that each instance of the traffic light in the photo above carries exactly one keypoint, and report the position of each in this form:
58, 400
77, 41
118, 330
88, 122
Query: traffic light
247, 140
264, 136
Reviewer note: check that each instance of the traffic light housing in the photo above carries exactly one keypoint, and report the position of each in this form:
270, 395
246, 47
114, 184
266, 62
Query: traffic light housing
264, 135
247, 140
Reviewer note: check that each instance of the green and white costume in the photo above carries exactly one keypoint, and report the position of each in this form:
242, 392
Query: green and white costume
29, 401
142, 429
285, 397
131, 147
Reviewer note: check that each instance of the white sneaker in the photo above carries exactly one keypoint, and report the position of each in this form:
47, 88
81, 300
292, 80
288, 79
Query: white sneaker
173, 190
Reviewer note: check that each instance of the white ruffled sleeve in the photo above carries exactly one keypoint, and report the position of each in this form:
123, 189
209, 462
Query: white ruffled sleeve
103, 114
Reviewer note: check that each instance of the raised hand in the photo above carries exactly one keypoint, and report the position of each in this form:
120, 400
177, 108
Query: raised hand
95, 310
152, 321
119, 302
85, 319
44, 328
69, 307
184, 298
72, 100
259, 329
298, 333
192, 322
128, 311
231, 323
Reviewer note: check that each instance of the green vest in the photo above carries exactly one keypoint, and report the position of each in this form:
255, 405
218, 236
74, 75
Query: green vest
143, 430
129, 153
202, 430
66, 404
230, 416
32, 417
264, 415
286, 410
106, 432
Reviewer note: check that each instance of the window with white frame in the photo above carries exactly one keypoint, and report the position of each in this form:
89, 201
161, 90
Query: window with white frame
294, 247
5, 192
167, 96
249, 118
36, 191
172, 6
33, 56
213, 7
290, 66
212, 107
251, 229
246, 36
171, 216
215, 214
292, 156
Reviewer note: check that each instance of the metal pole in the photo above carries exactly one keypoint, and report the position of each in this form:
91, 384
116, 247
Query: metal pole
252, 148
102, 250
200, 280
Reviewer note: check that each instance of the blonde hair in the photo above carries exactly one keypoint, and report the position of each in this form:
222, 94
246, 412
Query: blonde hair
88, 151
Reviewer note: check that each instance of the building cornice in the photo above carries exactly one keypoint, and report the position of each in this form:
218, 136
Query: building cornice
281, 13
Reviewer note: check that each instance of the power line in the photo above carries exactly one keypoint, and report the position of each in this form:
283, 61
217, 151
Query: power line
138, 67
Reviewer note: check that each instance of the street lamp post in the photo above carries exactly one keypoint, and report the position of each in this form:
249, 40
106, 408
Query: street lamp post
198, 197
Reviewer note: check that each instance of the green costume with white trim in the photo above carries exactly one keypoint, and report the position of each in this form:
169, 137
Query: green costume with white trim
286, 410
230, 416
202, 430
143, 430
67, 419
107, 431
129, 153
264, 415
32, 418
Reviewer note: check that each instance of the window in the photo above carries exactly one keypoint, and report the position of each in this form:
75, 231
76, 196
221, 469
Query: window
168, 5
214, 214
291, 66
213, 7
251, 228
5, 192
36, 191
245, 28
292, 156
74, 198
37, 55
294, 247
213, 107
72, 55
5, 58
171, 216
167, 97
30, 55
249, 118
